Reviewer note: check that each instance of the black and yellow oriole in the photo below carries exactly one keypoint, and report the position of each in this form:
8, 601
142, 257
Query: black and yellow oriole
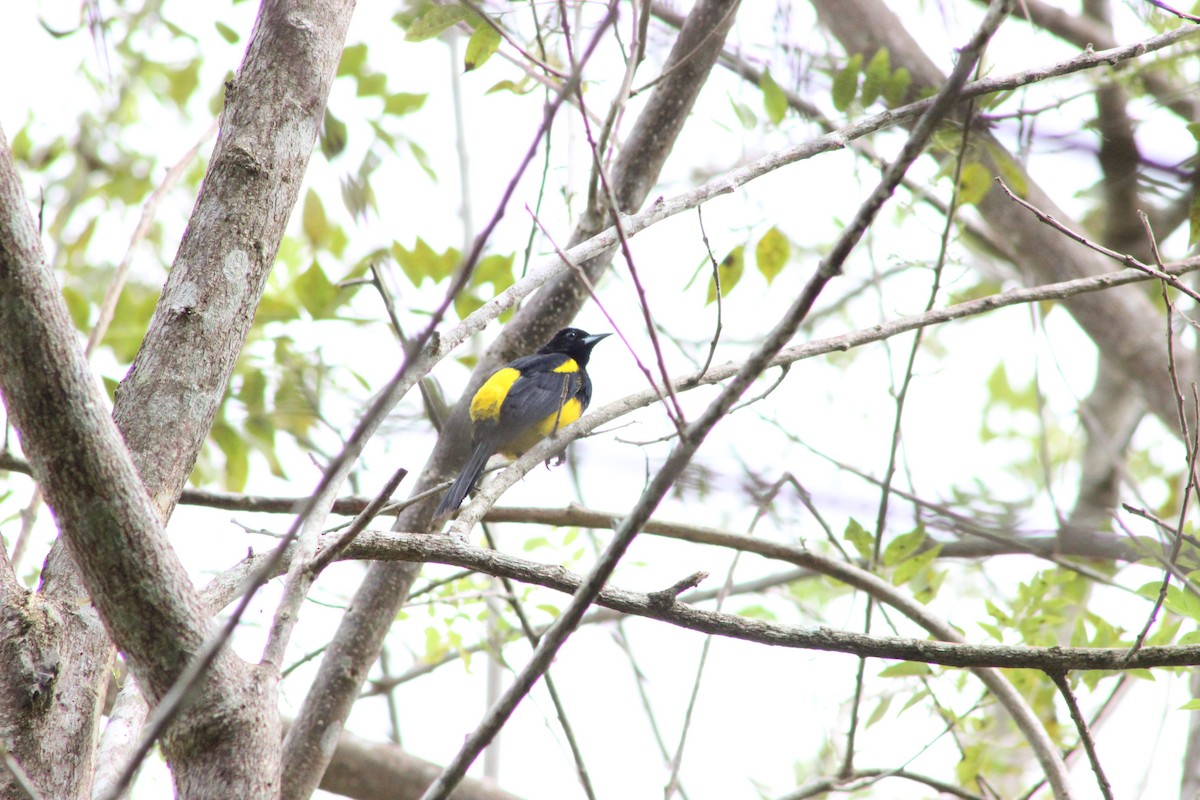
524, 402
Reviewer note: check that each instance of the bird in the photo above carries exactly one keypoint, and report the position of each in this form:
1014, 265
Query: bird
524, 402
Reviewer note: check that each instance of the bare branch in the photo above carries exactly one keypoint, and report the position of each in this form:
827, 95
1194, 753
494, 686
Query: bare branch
950, 650
1085, 735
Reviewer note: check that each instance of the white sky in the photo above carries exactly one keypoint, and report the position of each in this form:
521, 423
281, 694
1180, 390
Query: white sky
757, 704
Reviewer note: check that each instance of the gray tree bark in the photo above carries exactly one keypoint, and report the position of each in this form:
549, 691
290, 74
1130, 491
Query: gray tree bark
227, 743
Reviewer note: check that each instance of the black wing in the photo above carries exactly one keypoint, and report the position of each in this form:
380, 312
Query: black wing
539, 393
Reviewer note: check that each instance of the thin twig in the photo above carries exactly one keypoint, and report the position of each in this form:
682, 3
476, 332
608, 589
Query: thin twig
1123, 258
898, 418
616, 109
306, 564
677, 760
1085, 736
598, 617
614, 209
862, 778
716, 273
1176, 12
533, 637
639, 681
19, 776
1191, 446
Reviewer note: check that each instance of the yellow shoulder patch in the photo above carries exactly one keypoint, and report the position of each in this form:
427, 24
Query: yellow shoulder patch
567, 366
487, 401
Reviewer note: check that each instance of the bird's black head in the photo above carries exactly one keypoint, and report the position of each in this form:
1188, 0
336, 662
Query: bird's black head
575, 343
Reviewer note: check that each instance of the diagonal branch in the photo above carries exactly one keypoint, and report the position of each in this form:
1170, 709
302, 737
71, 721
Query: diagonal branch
693, 436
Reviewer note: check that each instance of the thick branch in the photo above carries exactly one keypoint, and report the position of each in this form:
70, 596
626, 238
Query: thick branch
375, 771
134, 578
273, 112
952, 652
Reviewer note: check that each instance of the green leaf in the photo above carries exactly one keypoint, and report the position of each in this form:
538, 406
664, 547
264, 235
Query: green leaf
909, 568
333, 136
1190, 638
772, 253
78, 306
402, 103
1194, 220
508, 86
845, 83
434, 21
353, 59
744, 113
974, 182
876, 76
1191, 705
1010, 172
862, 540
316, 224
758, 611
227, 33
969, 767
1194, 129
182, 82
729, 271
992, 630
373, 84
129, 188
237, 456
880, 709
903, 546
132, 315
534, 543
774, 101
495, 269
466, 304
317, 295
905, 669
22, 145
895, 93
434, 646
423, 262
996, 613
253, 391
422, 159
483, 42
1079, 637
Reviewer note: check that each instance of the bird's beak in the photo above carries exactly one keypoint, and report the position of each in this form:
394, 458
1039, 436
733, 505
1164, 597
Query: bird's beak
594, 339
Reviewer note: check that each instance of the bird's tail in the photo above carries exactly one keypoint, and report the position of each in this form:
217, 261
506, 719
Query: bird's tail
466, 479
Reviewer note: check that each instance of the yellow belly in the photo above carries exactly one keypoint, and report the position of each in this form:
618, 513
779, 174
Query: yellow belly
515, 446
